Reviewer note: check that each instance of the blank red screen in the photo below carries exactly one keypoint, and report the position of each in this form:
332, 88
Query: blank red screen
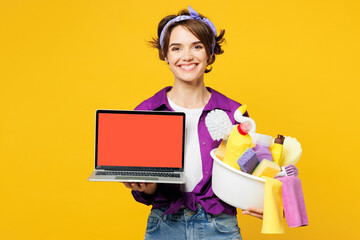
140, 140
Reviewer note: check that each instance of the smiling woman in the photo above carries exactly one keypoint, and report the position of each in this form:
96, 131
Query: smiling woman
204, 31
188, 42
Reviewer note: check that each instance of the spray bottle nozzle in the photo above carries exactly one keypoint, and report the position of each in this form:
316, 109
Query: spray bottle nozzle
242, 108
238, 115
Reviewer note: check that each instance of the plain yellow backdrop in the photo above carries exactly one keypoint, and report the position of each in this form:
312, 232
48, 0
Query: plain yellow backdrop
294, 63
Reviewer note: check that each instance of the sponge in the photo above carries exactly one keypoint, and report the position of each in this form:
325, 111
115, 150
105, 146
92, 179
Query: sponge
248, 161
267, 168
291, 152
220, 151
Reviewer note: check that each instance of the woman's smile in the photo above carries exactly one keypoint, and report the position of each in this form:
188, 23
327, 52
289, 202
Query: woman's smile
187, 67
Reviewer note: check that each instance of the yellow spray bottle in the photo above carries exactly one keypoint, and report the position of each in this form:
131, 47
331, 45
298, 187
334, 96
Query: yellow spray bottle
239, 140
277, 148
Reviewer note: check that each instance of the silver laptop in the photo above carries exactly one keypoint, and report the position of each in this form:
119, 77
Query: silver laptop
139, 146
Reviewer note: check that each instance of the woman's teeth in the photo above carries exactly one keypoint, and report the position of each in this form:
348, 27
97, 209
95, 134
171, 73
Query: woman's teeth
188, 67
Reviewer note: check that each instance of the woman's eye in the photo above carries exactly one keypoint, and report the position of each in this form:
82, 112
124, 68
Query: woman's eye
198, 47
175, 49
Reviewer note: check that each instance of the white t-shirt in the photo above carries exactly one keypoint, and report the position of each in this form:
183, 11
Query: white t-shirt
192, 160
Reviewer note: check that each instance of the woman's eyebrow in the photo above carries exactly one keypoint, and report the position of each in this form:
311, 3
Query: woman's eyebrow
178, 44
174, 44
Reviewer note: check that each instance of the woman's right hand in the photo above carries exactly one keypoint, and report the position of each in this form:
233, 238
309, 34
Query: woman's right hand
147, 188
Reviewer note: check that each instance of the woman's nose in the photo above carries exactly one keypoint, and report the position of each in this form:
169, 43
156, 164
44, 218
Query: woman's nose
188, 55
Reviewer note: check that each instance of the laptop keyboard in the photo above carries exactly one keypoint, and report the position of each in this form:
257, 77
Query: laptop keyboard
146, 174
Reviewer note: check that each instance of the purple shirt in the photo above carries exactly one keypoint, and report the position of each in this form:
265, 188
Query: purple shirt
170, 195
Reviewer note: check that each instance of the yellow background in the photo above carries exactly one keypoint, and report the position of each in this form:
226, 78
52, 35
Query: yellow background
294, 63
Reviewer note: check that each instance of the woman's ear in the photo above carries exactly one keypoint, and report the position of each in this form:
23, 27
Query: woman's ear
166, 60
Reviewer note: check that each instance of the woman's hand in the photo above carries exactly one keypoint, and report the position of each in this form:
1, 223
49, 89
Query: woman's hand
255, 212
147, 188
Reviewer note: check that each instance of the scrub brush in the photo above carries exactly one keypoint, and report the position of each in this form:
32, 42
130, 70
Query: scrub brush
289, 170
218, 124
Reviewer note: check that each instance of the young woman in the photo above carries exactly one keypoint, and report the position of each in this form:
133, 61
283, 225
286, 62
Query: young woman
188, 43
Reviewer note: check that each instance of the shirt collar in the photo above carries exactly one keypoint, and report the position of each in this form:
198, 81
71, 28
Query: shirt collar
217, 100
160, 98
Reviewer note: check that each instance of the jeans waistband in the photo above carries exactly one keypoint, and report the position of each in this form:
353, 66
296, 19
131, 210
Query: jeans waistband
186, 214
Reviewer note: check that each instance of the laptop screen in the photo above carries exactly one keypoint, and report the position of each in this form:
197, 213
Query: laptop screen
139, 139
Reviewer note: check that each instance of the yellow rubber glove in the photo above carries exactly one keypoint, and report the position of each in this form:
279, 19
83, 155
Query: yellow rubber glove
273, 207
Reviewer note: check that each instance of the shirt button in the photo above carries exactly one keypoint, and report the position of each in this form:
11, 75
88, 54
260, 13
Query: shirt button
206, 172
204, 143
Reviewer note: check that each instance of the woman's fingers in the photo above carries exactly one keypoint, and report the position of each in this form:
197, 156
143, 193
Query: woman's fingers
255, 212
142, 187
132, 186
148, 188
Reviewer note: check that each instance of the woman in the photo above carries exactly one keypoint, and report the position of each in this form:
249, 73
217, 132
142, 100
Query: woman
188, 43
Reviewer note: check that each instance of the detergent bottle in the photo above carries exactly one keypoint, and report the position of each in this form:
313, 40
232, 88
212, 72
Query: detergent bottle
239, 140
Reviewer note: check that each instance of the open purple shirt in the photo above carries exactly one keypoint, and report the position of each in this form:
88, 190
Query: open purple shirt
170, 195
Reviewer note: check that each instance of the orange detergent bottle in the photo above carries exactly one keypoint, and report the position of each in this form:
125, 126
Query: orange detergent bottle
239, 140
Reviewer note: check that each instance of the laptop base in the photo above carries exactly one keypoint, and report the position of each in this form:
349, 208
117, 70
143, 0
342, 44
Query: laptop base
149, 179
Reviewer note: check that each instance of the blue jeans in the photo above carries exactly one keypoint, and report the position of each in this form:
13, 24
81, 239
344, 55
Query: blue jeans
188, 224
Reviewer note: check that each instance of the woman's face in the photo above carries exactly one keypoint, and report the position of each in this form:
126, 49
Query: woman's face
186, 56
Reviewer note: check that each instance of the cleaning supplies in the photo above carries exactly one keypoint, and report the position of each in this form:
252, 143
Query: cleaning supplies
261, 148
266, 168
218, 124
220, 151
291, 151
277, 148
289, 170
248, 161
238, 115
239, 140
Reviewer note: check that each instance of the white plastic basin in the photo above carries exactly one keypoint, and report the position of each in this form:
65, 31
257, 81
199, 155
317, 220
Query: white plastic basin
236, 188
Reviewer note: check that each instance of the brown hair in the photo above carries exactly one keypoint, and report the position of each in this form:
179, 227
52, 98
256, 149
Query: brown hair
200, 30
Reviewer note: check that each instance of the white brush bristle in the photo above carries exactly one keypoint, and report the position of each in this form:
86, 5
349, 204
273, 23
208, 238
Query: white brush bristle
218, 124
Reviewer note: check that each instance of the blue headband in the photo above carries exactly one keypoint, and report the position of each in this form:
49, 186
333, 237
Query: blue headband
195, 16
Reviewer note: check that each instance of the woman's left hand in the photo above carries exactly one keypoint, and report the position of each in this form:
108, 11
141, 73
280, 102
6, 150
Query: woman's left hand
255, 212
